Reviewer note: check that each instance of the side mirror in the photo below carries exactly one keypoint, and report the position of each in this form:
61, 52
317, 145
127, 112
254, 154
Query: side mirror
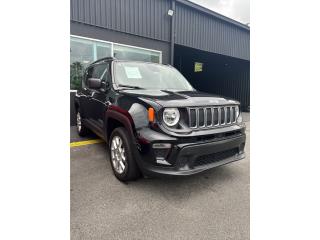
94, 83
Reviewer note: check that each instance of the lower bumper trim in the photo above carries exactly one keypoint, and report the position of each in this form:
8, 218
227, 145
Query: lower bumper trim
166, 171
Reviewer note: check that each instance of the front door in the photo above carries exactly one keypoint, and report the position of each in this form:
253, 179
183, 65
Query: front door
99, 97
85, 96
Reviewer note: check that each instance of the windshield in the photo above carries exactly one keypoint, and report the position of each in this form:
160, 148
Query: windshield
149, 76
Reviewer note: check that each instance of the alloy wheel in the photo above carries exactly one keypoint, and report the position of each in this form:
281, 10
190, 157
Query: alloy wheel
118, 155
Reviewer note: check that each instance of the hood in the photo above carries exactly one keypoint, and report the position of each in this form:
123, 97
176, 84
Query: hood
180, 99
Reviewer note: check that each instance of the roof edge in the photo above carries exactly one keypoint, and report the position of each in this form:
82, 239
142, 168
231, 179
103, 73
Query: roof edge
214, 14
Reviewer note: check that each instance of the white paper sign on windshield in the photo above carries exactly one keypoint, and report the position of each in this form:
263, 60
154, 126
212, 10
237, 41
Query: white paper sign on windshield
132, 72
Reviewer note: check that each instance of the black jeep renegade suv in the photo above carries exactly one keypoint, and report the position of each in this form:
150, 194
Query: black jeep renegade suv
155, 122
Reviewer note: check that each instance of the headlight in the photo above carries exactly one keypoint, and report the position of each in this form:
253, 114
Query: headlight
171, 116
238, 115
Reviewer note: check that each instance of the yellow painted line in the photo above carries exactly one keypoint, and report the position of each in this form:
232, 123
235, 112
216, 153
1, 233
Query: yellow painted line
87, 142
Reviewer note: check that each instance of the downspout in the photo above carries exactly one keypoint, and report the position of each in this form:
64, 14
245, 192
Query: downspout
173, 7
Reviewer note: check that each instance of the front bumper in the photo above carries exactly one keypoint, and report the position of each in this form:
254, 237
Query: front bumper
187, 157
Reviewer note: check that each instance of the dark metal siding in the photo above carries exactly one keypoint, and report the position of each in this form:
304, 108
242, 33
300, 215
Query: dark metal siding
222, 75
202, 31
147, 18
237, 86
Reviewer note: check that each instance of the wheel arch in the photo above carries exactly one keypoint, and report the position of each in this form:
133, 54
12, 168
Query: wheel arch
117, 117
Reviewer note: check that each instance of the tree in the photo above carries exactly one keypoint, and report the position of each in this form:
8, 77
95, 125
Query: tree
76, 74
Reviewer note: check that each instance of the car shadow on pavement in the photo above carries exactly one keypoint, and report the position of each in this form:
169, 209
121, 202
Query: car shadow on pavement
181, 188
176, 187
173, 188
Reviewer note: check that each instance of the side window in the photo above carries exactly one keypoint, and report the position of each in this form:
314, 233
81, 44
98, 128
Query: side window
95, 71
98, 70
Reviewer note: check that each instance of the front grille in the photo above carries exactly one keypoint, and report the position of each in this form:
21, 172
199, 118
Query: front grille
207, 117
215, 157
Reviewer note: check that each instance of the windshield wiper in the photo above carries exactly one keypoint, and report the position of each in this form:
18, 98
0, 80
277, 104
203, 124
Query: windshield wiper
129, 86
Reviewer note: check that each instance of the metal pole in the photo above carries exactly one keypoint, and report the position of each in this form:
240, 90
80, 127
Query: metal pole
173, 7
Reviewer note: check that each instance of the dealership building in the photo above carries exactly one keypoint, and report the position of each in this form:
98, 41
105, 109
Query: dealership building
209, 49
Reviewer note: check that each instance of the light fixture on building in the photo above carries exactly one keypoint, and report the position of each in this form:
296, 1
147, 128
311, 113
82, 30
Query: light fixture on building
170, 12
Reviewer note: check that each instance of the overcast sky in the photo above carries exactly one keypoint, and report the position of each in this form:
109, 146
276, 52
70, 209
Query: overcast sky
238, 10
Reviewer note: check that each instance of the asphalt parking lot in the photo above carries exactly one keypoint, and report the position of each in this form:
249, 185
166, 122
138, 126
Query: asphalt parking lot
211, 205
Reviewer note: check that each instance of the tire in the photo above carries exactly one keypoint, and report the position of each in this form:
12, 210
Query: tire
81, 129
121, 156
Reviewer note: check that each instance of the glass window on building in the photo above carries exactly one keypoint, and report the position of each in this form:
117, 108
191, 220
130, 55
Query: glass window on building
137, 54
83, 52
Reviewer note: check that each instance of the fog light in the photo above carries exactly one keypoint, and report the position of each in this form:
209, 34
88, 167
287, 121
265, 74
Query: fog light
163, 162
161, 152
